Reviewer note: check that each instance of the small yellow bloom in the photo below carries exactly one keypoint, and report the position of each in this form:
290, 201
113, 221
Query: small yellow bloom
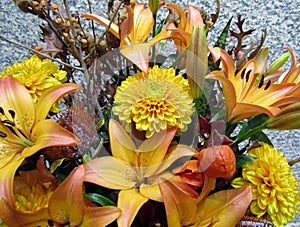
36, 75
154, 101
274, 187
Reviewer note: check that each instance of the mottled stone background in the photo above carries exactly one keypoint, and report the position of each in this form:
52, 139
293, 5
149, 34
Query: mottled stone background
280, 18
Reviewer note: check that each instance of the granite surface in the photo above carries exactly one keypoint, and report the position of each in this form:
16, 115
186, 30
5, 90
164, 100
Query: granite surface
280, 18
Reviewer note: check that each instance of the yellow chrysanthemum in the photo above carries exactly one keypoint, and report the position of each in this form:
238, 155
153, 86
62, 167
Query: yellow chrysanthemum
154, 101
36, 75
31, 192
274, 186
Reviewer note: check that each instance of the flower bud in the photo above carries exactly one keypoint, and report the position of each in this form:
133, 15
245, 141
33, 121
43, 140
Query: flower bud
287, 119
154, 5
278, 63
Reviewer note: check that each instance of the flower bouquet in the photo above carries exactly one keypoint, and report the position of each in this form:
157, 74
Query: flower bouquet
131, 119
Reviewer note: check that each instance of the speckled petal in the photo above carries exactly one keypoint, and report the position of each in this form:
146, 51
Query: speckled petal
15, 97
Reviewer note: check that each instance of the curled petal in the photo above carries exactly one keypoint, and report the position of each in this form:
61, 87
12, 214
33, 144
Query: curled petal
114, 29
7, 176
48, 133
180, 206
52, 95
67, 204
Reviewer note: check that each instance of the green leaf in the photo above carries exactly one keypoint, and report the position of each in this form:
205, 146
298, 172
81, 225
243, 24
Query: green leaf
243, 159
262, 137
100, 199
257, 120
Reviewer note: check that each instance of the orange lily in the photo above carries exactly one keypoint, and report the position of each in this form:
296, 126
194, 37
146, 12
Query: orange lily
244, 96
24, 129
223, 208
62, 204
135, 170
67, 205
132, 32
27, 210
183, 33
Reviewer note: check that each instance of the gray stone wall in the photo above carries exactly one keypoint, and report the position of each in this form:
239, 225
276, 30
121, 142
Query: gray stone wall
280, 18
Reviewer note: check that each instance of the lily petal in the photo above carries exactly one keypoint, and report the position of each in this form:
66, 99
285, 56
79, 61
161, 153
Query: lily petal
245, 110
224, 208
228, 90
155, 157
180, 12
48, 133
100, 216
16, 98
114, 29
110, 172
50, 96
143, 23
194, 18
151, 191
180, 206
7, 176
138, 54
121, 144
67, 204
175, 152
129, 201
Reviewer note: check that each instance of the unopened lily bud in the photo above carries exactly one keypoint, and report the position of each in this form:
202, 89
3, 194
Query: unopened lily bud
154, 5
278, 63
196, 62
287, 119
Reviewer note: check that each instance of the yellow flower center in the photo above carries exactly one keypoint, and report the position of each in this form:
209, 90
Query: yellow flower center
32, 199
155, 114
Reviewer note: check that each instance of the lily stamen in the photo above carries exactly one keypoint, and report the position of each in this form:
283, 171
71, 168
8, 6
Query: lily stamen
243, 73
261, 82
2, 134
267, 85
248, 75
